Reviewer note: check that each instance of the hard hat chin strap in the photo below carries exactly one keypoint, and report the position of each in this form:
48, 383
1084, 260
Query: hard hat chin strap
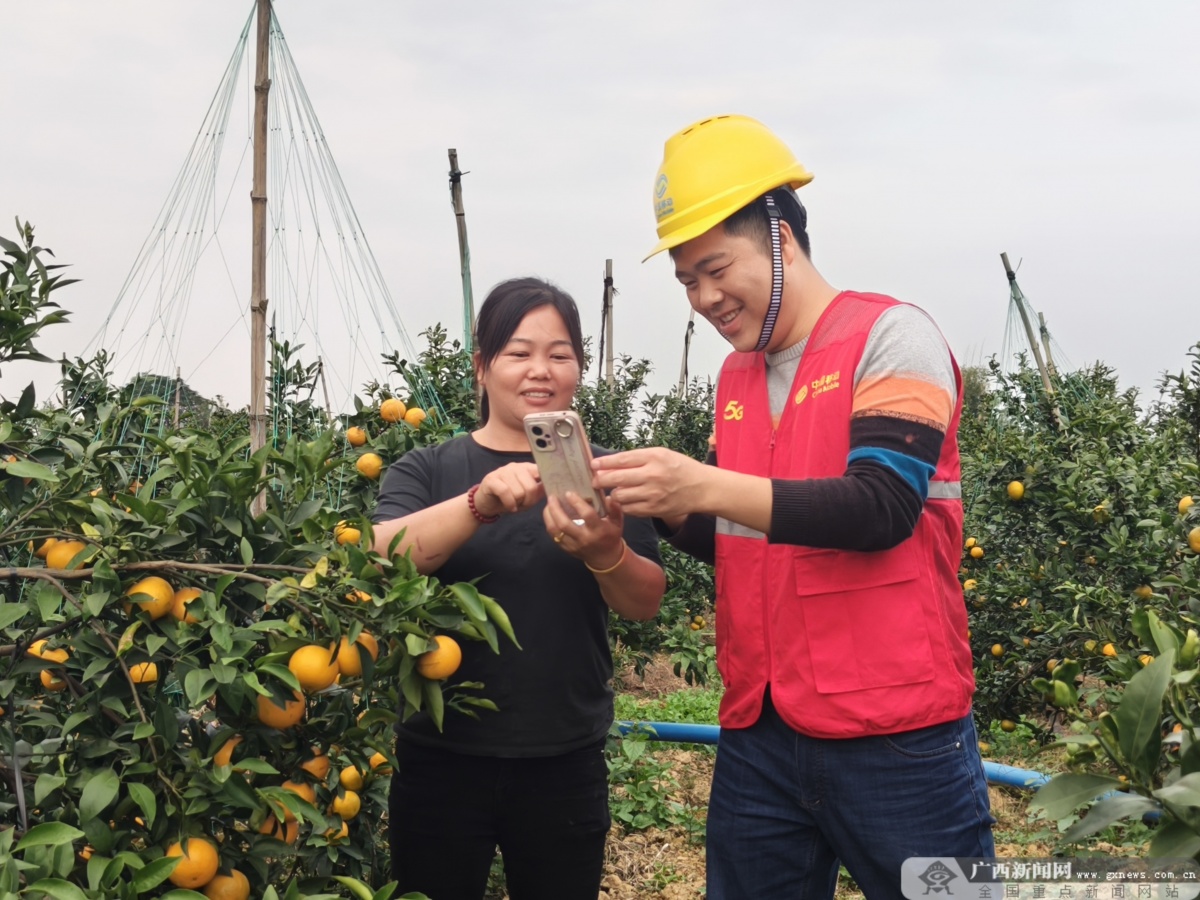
768, 326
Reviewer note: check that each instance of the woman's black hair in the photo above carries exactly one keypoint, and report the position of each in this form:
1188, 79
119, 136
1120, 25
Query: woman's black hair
506, 305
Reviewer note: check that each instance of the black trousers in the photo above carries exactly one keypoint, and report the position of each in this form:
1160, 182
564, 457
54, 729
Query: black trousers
549, 816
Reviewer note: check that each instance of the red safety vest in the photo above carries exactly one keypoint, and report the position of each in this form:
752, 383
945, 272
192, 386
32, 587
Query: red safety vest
851, 643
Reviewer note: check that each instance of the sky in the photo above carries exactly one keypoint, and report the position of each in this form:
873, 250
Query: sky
1066, 133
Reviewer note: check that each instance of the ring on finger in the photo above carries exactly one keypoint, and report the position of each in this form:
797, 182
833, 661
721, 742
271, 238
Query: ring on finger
558, 537
578, 523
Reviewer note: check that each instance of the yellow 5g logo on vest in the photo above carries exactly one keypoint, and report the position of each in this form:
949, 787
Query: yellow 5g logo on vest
734, 410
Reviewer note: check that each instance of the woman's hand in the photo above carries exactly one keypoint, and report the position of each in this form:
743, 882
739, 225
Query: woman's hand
509, 489
577, 528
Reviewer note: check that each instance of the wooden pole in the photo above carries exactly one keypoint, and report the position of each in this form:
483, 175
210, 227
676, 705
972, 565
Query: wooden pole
1045, 333
324, 389
258, 262
687, 346
464, 251
1017, 296
178, 379
608, 323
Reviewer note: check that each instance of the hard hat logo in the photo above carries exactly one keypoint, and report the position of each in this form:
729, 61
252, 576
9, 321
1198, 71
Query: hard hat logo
713, 168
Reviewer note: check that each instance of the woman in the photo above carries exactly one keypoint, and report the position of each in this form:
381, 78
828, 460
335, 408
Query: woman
531, 777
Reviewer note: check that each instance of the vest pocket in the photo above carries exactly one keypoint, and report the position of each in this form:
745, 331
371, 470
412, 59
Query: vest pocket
865, 618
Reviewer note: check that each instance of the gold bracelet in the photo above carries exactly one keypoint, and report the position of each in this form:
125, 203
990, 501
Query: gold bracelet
614, 566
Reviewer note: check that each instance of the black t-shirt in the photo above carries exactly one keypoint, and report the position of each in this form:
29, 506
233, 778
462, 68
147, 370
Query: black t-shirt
555, 694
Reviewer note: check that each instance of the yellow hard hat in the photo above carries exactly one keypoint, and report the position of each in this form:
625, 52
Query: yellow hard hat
713, 168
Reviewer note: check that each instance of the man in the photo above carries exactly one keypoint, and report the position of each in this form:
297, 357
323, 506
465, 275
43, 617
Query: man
833, 510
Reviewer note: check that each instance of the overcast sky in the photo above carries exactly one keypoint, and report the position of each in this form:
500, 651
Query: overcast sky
940, 133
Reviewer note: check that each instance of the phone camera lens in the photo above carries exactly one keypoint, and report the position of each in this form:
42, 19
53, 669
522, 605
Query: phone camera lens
537, 429
563, 428
542, 443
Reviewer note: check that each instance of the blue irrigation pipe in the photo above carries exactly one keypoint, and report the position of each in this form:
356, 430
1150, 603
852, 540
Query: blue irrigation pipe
688, 733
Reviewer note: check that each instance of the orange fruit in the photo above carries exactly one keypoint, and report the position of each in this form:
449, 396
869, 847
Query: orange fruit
346, 806
970, 543
143, 673
358, 597
275, 716
316, 765
1185, 504
41, 551
1194, 539
443, 662
1008, 725
300, 789
379, 762
346, 534
415, 417
313, 667
369, 465
1109, 650
349, 660
38, 650
234, 886
153, 595
1016, 490
392, 410
970, 584
1143, 592
356, 436
52, 682
334, 835
60, 555
282, 831
351, 778
976, 552
224, 756
1145, 659
179, 604
198, 863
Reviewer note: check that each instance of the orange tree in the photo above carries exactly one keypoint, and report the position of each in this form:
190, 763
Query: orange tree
182, 682
1073, 523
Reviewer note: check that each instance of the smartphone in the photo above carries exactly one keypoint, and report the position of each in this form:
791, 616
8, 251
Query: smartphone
563, 456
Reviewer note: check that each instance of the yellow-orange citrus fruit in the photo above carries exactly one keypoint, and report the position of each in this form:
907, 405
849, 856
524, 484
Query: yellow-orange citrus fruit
334, 835
379, 763
143, 673
282, 831
356, 436
349, 660
443, 662
369, 465
1008, 725
351, 778
976, 552
1051, 665
234, 886
313, 667
224, 756
198, 863
179, 604
970, 543
1109, 650
985, 748
347, 805
392, 410
1185, 504
300, 789
38, 650
41, 551
693, 626
1143, 592
86, 853
358, 597
1145, 659
52, 682
1016, 490
970, 584
157, 596
1194, 539
316, 765
997, 650
346, 534
285, 716
60, 555
415, 416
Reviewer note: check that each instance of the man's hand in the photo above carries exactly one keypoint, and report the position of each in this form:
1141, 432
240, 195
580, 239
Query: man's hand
653, 482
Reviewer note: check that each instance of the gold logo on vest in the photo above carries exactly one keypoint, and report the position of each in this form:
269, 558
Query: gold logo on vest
802, 393
734, 410
825, 383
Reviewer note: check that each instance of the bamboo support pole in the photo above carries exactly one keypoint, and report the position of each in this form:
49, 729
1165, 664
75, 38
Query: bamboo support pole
258, 262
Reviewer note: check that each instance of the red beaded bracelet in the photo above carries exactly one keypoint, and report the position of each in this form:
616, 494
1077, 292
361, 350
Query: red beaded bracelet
480, 517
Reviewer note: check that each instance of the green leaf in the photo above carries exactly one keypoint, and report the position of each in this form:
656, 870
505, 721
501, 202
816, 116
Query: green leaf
1059, 797
1184, 792
468, 600
1164, 638
143, 730
99, 791
434, 702
1107, 811
46, 785
199, 685
1139, 713
26, 469
144, 798
11, 612
1174, 840
49, 834
247, 552
259, 766
57, 888
155, 873
356, 887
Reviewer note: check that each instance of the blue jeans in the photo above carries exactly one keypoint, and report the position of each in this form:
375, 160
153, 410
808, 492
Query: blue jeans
786, 808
